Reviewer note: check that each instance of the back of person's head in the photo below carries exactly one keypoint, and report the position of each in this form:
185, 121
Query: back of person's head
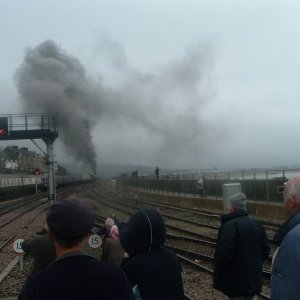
144, 232
238, 201
109, 223
292, 188
114, 232
69, 221
292, 193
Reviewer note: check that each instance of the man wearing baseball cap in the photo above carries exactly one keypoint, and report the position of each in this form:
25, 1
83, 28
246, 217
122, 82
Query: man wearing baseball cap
74, 275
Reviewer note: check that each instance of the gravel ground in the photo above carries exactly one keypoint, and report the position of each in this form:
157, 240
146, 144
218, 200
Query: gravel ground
197, 284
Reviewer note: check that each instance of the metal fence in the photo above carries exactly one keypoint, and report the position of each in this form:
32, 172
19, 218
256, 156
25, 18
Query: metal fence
258, 185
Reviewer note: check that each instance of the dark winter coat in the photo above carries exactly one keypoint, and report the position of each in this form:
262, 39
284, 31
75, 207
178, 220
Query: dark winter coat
41, 249
242, 247
155, 270
112, 251
77, 277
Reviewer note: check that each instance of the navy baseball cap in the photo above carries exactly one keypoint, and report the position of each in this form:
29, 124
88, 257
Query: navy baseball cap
69, 219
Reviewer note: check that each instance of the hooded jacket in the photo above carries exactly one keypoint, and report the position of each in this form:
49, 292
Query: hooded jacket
155, 270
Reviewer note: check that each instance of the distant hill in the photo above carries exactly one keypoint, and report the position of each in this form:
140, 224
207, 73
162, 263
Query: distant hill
110, 170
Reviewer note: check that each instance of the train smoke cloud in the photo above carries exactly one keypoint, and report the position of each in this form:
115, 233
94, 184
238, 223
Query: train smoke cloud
162, 113
50, 80
155, 118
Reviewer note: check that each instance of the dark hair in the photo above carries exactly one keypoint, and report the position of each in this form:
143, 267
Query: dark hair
67, 242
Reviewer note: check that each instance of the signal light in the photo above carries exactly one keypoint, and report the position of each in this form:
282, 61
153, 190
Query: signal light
37, 171
3, 126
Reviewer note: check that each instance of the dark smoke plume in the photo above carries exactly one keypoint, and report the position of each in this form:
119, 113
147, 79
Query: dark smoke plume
50, 80
156, 118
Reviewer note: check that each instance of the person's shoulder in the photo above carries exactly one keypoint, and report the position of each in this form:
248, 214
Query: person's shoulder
111, 241
294, 233
82, 263
168, 252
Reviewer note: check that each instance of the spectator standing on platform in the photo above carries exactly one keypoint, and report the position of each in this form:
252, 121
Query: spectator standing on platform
41, 248
286, 260
157, 172
112, 250
242, 247
200, 186
74, 275
153, 271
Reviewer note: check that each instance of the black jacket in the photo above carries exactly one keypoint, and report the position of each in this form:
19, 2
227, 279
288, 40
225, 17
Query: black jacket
155, 270
242, 247
78, 277
42, 249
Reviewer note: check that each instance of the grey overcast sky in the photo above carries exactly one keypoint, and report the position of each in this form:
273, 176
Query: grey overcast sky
174, 83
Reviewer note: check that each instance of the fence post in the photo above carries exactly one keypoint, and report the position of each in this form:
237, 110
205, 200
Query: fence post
255, 195
216, 193
193, 186
243, 181
267, 186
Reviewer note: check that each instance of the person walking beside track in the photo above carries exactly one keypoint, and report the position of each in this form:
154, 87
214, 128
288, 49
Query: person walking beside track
285, 283
74, 275
242, 247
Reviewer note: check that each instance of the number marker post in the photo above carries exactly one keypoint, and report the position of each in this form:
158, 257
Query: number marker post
17, 246
95, 241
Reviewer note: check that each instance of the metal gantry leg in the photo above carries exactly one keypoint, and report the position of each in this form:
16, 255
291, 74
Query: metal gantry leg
51, 173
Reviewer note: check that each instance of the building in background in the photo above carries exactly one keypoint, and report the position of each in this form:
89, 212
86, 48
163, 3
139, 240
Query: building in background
15, 158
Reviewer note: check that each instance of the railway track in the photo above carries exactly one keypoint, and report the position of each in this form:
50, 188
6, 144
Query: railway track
19, 223
198, 260
198, 281
212, 217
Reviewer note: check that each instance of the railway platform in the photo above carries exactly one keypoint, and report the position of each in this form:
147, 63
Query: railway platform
272, 212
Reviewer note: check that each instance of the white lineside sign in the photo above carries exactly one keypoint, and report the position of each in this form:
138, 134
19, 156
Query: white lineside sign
17, 246
95, 241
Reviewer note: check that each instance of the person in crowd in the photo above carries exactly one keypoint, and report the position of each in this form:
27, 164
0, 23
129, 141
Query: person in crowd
74, 275
153, 271
104, 231
285, 282
112, 250
242, 247
117, 222
41, 248
109, 223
